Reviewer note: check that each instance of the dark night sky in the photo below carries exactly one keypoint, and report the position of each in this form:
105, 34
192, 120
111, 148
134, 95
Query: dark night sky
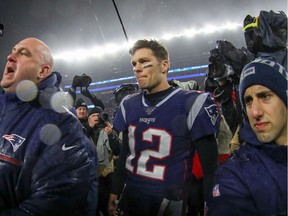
66, 25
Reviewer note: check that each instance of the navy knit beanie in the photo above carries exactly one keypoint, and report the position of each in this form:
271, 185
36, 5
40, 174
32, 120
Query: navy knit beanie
96, 109
266, 73
80, 103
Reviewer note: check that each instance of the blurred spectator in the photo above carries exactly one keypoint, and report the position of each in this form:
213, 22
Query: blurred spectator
108, 145
81, 110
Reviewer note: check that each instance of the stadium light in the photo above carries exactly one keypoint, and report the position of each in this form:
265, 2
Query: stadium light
98, 51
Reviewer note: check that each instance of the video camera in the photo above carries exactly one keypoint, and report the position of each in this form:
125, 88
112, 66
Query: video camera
103, 117
266, 36
266, 32
227, 61
218, 70
81, 81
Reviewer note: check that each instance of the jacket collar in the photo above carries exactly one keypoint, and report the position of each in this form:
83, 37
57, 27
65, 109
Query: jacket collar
46, 89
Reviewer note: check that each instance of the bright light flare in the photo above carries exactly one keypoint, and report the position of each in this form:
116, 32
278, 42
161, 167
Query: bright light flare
26, 90
205, 29
113, 48
50, 134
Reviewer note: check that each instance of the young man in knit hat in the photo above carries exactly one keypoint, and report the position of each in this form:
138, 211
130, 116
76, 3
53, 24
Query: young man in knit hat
81, 110
253, 181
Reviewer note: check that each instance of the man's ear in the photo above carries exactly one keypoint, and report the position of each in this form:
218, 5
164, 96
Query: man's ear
44, 72
165, 66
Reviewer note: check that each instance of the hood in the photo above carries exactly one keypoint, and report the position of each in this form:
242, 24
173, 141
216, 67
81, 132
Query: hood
46, 89
53, 81
246, 135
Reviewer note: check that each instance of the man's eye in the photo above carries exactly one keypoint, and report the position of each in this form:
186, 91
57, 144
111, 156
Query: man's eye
267, 96
23, 53
248, 101
143, 61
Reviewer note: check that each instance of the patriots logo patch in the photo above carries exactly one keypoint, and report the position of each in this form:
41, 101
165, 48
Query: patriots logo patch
213, 113
15, 140
216, 192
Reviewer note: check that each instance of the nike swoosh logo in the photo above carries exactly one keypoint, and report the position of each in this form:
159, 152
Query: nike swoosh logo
64, 148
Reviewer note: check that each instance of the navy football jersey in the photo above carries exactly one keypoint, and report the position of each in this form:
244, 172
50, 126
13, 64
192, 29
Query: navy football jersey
161, 137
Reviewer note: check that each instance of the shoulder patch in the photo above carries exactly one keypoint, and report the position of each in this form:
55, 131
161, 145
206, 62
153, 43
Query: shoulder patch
213, 113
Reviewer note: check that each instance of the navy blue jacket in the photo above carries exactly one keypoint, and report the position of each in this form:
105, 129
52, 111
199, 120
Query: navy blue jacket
253, 181
47, 165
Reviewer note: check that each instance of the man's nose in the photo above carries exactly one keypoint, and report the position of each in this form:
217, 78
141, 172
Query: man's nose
137, 68
256, 109
11, 58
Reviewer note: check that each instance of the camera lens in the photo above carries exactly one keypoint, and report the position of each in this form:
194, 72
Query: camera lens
216, 70
215, 55
104, 116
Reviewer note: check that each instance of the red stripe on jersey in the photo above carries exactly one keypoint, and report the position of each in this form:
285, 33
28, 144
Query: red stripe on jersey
10, 160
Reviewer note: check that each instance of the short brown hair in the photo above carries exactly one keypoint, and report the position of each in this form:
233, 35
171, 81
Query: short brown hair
158, 49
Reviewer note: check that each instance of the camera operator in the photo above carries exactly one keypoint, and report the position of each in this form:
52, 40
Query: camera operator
266, 36
123, 90
223, 78
83, 82
107, 143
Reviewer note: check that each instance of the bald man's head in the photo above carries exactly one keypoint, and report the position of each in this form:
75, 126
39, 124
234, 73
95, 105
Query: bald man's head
30, 59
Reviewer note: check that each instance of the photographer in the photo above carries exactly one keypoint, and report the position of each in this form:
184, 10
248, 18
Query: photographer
83, 82
107, 143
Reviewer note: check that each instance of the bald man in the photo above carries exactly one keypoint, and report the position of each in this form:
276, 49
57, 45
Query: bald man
47, 165
30, 59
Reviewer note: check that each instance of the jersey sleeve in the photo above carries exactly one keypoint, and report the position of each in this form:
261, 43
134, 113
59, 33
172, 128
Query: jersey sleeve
119, 122
204, 117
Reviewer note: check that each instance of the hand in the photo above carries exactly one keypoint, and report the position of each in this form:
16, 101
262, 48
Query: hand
108, 129
86, 93
112, 205
76, 81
